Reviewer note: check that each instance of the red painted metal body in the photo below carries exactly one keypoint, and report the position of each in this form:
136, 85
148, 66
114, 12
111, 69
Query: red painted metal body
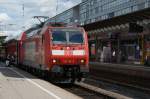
14, 48
11, 48
37, 50
68, 58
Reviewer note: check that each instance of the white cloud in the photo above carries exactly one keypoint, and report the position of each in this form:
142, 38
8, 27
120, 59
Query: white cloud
13, 9
45, 9
4, 17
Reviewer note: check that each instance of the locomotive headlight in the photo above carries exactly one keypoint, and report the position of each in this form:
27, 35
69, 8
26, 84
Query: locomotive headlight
54, 61
82, 61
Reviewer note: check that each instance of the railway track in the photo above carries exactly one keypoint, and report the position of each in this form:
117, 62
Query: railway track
122, 79
87, 91
128, 91
133, 76
84, 93
138, 87
120, 88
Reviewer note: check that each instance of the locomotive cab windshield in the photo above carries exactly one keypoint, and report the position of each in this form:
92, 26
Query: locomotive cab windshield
67, 36
69, 51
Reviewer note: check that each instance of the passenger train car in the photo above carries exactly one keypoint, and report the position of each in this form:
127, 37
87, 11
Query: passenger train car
55, 51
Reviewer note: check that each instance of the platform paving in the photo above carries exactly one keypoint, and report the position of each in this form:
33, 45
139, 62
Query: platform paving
17, 84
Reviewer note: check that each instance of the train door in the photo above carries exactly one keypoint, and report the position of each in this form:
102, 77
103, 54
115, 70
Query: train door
147, 50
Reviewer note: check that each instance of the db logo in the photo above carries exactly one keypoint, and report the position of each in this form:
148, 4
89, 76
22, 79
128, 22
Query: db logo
68, 52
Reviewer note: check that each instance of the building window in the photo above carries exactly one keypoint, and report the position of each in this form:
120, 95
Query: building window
87, 14
93, 20
96, 10
87, 7
100, 8
88, 21
146, 5
104, 17
92, 3
141, 6
125, 11
117, 13
134, 8
71, 19
92, 12
149, 4
97, 18
95, 1
110, 15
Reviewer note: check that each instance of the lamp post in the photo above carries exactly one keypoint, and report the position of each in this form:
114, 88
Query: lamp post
56, 10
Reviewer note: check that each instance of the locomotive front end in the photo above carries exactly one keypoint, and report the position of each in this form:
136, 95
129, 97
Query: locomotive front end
69, 52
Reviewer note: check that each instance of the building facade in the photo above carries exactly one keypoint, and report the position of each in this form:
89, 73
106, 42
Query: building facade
109, 27
95, 10
69, 16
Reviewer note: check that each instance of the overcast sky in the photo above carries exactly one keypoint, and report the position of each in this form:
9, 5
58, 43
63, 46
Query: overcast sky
11, 12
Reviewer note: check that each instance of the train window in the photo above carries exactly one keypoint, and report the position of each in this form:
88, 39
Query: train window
59, 37
66, 35
75, 37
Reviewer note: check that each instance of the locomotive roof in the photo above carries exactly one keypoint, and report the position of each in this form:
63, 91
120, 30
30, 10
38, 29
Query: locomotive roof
10, 39
33, 32
13, 38
36, 29
32, 29
55, 24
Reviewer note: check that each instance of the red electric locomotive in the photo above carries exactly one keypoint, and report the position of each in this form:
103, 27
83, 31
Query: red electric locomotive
57, 51
11, 50
14, 49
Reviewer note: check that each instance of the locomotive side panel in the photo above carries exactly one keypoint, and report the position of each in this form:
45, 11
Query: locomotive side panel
11, 49
29, 58
47, 49
21, 48
32, 53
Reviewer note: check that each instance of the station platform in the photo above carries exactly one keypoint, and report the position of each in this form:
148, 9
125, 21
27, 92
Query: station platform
134, 70
17, 84
130, 75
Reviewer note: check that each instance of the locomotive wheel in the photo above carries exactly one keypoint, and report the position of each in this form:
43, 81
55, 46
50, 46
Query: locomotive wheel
39, 73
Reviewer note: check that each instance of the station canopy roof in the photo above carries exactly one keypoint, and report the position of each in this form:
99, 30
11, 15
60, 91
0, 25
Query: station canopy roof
13, 38
123, 19
2, 34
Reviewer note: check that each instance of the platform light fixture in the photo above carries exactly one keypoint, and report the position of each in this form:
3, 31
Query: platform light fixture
117, 27
127, 25
113, 27
102, 30
122, 26
109, 28
105, 29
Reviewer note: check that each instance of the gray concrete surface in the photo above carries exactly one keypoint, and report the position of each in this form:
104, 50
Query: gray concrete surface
17, 84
